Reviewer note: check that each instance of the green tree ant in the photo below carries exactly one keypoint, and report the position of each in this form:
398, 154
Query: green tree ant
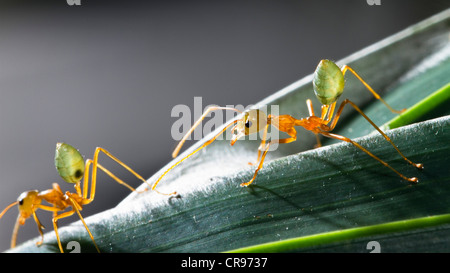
72, 169
328, 83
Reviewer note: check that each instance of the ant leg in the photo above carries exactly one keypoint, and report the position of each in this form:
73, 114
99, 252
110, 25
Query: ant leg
417, 165
18, 221
319, 144
55, 226
192, 153
120, 181
67, 214
310, 107
326, 115
40, 227
346, 67
96, 165
346, 139
261, 146
77, 210
197, 123
38, 223
328, 112
311, 114
95, 162
93, 184
293, 137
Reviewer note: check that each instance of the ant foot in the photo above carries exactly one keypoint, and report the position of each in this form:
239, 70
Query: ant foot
144, 190
414, 180
244, 184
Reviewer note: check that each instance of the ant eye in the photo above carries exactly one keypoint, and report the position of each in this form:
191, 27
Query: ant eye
21, 201
253, 121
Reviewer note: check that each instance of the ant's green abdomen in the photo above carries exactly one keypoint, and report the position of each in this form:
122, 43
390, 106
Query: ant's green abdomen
328, 82
69, 163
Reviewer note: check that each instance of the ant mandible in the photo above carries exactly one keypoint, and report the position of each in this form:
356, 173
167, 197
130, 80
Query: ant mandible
328, 83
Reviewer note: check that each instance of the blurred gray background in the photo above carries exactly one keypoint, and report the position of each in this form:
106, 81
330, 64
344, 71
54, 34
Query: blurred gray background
108, 73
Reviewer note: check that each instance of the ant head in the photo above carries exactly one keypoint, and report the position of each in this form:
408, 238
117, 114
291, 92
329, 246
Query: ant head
27, 202
69, 163
252, 121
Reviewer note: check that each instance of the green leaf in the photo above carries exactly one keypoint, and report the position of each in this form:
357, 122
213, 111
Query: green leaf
401, 228
335, 198
420, 110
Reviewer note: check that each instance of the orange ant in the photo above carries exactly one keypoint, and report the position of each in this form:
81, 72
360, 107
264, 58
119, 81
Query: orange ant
328, 83
71, 167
